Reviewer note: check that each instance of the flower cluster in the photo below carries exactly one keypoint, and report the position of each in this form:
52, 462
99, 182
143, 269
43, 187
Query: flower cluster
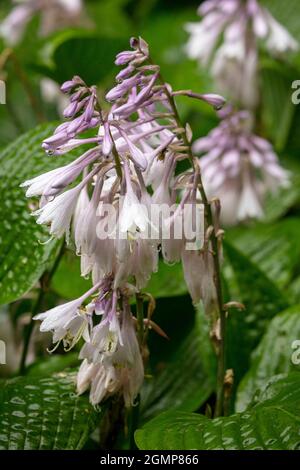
128, 166
55, 14
238, 166
242, 24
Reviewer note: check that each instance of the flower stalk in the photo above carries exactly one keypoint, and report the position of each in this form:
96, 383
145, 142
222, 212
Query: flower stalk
215, 243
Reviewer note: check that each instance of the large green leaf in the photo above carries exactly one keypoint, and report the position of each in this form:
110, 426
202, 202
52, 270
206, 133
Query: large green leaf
272, 356
67, 280
278, 111
52, 364
187, 379
167, 282
83, 53
275, 248
262, 300
24, 254
273, 423
45, 413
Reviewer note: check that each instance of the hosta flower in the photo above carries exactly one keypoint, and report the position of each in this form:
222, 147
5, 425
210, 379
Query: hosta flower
55, 14
241, 24
68, 322
239, 167
116, 370
128, 167
198, 273
59, 212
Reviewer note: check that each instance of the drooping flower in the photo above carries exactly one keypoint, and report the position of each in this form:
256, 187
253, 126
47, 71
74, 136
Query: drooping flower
55, 14
242, 24
68, 322
239, 167
110, 371
111, 211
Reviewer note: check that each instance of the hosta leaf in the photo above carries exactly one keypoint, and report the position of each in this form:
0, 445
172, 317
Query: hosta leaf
187, 379
275, 248
272, 424
167, 282
278, 111
24, 255
53, 363
67, 280
262, 300
82, 53
45, 413
272, 356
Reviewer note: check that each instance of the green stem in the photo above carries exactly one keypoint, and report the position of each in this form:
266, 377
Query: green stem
140, 318
219, 409
45, 283
135, 415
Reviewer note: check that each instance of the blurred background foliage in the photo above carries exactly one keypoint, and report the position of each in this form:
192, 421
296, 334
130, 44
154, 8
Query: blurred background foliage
262, 259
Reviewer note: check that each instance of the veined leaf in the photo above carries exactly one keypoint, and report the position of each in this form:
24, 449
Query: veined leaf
272, 424
275, 248
262, 300
187, 379
24, 255
45, 413
273, 355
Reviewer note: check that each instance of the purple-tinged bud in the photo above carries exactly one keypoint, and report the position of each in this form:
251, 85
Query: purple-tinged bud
75, 125
217, 101
67, 86
90, 109
61, 128
143, 46
134, 42
125, 57
55, 140
146, 91
107, 144
137, 156
71, 110
125, 72
122, 88
78, 94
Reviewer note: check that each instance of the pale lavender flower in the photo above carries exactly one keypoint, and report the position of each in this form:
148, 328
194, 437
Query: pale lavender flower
134, 145
68, 322
242, 24
239, 167
117, 370
55, 14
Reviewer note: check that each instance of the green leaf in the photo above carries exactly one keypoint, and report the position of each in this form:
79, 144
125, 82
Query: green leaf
24, 254
271, 424
187, 379
275, 248
280, 203
82, 53
278, 110
53, 363
273, 355
262, 300
45, 413
67, 281
167, 282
